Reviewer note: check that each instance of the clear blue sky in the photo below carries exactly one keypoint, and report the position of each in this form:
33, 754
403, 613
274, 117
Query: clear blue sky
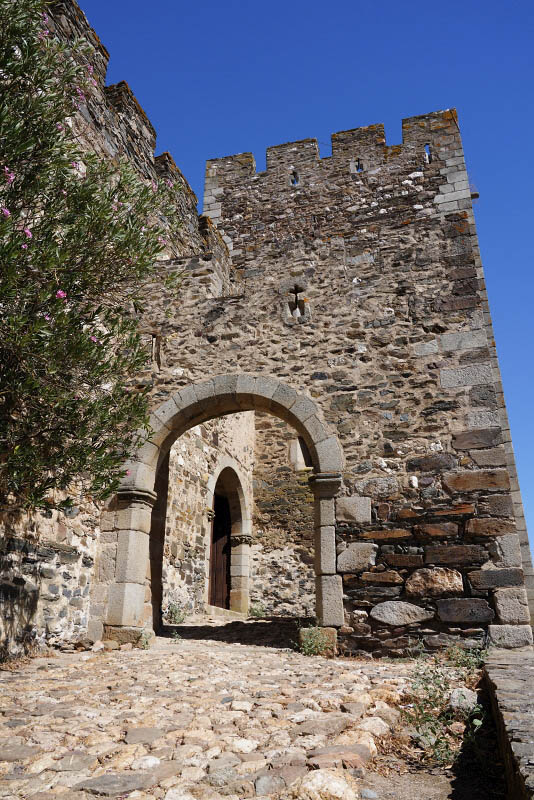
225, 76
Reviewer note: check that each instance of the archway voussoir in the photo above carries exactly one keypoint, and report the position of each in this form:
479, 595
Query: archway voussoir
204, 391
265, 389
185, 398
315, 430
138, 476
329, 455
225, 384
148, 453
166, 413
285, 396
303, 408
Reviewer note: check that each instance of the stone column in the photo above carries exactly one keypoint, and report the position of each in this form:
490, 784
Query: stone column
127, 613
239, 572
328, 585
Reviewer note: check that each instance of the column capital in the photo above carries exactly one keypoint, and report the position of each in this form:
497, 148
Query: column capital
325, 484
131, 494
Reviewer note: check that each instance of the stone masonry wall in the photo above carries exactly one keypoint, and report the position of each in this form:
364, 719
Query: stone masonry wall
282, 556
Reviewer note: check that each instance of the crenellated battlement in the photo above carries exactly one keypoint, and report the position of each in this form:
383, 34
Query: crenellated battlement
366, 145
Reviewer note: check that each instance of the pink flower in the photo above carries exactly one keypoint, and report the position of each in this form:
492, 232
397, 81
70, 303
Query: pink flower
59, 126
169, 183
154, 186
90, 69
28, 233
6, 212
75, 164
64, 192
60, 294
24, 246
9, 176
128, 472
93, 339
47, 317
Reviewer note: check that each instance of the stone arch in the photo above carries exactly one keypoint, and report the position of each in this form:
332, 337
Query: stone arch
190, 406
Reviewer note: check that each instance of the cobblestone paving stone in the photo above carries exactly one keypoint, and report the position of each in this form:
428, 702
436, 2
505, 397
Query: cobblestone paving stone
195, 720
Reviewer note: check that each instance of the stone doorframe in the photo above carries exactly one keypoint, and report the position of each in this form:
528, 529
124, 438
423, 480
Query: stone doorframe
228, 472
190, 406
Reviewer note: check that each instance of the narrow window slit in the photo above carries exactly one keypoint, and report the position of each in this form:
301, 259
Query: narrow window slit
428, 154
295, 180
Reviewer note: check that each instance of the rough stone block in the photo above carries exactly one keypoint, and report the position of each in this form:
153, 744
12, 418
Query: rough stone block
329, 592
464, 340
425, 348
132, 556
477, 439
138, 476
456, 554
434, 582
324, 512
353, 509
302, 409
134, 518
433, 462
511, 606
329, 455
465, 609
284, 396
357, 557
495, 578
489, 526
443, 530
482, 418
489, 458
325, 550
471, 375
477, 479
497, 505
510, 636
398, 613
125, 605
506, 551
388, 576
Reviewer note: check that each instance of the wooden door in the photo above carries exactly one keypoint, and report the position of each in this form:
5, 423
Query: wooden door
219, 589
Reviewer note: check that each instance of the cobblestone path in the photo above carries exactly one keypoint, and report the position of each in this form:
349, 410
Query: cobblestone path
197, 719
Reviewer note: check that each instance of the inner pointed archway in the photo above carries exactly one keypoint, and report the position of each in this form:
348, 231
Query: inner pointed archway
192, 405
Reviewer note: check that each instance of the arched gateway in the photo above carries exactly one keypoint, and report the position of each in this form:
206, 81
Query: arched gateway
192, 405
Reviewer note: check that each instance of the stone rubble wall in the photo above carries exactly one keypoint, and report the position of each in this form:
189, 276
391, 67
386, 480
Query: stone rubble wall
282, 557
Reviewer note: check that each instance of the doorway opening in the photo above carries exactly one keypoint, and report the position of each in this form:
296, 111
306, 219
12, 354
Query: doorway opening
219, 581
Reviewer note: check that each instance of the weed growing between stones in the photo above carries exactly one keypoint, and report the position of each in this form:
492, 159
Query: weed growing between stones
256, 610
175, 636
144, 640
313, 641
443, 715
175, 614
